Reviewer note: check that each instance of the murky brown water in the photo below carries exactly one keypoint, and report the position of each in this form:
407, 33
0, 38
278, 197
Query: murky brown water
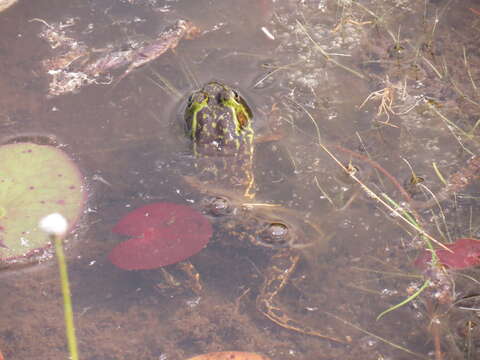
129, 141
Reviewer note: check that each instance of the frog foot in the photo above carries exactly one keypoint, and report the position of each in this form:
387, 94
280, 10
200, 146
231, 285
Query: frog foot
190, 279
277, 276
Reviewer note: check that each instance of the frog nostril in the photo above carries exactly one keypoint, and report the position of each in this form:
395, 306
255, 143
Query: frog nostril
275, 234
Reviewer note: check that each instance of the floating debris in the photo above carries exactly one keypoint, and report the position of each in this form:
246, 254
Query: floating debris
78, 65
4, 5
169, 39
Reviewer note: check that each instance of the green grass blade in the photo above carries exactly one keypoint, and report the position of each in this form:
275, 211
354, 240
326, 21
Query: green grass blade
406, 301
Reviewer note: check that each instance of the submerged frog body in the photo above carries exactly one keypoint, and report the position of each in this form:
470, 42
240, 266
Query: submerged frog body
219, 124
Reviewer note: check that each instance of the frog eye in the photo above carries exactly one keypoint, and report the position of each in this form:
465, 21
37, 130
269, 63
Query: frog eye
218, 206
275, 235
236, 96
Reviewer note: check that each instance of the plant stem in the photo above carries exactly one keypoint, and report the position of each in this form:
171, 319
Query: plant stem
67, 299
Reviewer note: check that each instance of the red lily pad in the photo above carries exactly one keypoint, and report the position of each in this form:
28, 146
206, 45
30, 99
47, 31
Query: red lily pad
35, 181
465, 253
164, 234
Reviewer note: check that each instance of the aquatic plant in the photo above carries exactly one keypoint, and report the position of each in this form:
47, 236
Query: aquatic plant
56, 226
163, 234
35, 180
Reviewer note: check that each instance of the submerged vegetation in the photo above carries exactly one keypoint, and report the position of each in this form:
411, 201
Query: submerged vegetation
378, 108
423, 106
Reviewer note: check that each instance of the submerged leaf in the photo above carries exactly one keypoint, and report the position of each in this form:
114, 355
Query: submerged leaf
164, 234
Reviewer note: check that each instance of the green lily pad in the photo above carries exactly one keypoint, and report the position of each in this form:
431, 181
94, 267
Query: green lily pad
35, 181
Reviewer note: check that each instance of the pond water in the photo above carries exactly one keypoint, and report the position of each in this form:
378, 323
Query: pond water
389, 88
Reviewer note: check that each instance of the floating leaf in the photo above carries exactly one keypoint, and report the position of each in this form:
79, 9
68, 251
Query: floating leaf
164, 234
230, 355
35, 180
465, 253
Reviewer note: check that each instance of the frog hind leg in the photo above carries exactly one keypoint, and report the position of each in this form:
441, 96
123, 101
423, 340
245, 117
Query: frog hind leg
277, 276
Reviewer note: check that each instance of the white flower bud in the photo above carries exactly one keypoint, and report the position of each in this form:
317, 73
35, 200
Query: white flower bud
54, 224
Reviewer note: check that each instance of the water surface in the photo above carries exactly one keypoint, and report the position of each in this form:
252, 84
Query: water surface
305, 86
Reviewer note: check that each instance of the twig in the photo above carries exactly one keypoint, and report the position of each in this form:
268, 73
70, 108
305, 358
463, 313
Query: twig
393, 210
378, 167
467, 66
324, 193
456, 182
438, 173
451, 126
